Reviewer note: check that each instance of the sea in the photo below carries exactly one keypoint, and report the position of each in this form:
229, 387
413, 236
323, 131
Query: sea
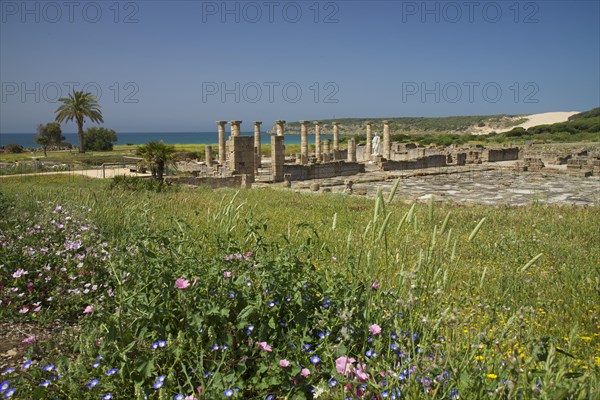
137, 138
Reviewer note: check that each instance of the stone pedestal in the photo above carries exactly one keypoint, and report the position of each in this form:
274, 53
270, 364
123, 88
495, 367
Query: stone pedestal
221, 133
280, 127
336, 142
303, 142
318, 141
369, 146
241, 156
326, 150
351, 150
287, 178
258, 157
208, 155
387, 145
277, 157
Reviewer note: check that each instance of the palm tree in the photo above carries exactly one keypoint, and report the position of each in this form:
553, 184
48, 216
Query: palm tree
157, 154
79, 106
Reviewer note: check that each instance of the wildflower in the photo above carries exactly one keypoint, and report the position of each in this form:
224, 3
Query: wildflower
27, 364
88, 310
305, 372
158, 384
49, 367
107, 396
8, 371
375, 329
92, 383
4, 386
9, 393
96, 364
284, 363
269, 397
264, 346
179, 397
479, 358
162, 344
30, 339
227, 274
375, 285
332, 383
249, 330
360, 372
19, 273
492, 376
370, 353
181, 283
228, 393
315, 360
111, 371
344, 365
45, 384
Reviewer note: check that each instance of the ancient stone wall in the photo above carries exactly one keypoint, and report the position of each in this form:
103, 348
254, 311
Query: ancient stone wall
326, 170
503, 154
433, 161
241, 155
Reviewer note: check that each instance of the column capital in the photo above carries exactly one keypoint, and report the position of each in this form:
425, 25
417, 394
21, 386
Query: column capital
386, 121
368, 123
335, 123
257, 122
235, 122
303, 122
280, 122
221, 122
318, 123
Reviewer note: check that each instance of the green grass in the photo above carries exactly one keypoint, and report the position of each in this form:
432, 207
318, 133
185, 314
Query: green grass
501, 316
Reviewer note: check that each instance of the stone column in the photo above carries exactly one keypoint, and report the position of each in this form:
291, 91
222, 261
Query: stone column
351, 150
336, 143
318, 140
235, 128
258, 157
369, 146
277, 157
386, 140
303, 143
222, 150
280, 127
208, 155
326, 150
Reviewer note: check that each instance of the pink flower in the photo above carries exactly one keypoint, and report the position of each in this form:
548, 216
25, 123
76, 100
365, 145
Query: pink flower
344, 365
264, 346
375, 329
227, 274
305, 372
19, 273
284, 363
88, 310
30, 339
360, 372
375, 285
181, 283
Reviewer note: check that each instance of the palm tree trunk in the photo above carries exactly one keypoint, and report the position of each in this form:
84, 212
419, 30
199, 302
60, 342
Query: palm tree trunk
160, 166
80, 136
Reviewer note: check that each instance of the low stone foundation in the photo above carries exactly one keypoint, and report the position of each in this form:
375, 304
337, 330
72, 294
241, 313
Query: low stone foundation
237, 181
433, 161
319, 171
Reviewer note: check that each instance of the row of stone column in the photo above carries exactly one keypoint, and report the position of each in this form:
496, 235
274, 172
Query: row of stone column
235, 131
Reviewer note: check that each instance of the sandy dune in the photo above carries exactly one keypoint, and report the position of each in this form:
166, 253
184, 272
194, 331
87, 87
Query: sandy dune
532, 120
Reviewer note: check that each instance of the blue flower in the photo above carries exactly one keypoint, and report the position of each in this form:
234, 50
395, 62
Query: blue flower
45, 383
249, 330
394, 346
228, 393
48, 368
269, 397
27, 364
179, 397
9, 393
107, 396
162, 344
158, 384
315, 360
332, 383
96, 364
306, 347
4, 385
92, 383
111, 371
161, 378
8, 371
370, 353
215, 347
231, 296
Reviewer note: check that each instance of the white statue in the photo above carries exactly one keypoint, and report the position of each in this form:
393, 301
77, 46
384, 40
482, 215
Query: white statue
376, 145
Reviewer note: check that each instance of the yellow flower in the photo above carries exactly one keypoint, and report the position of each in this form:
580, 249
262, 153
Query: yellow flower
492, 376
479, 358
597, 361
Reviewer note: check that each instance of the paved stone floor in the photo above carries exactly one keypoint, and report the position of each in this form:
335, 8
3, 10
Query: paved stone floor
474, 185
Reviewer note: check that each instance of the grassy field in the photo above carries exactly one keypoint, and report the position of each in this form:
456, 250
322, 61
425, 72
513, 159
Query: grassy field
270, 294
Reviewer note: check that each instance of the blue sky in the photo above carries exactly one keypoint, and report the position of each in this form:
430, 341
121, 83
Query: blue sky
178, 66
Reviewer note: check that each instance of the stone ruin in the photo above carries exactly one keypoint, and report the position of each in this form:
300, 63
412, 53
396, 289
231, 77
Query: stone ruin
239, 162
